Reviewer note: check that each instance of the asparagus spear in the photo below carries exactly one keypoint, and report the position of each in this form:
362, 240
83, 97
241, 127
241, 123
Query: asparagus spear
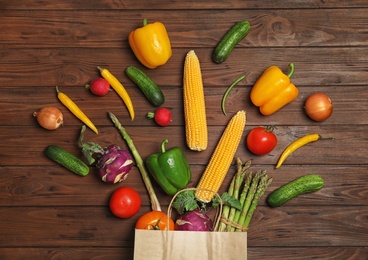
250, 196
243, 196
226, 208
264, 183
138, 159
238, 182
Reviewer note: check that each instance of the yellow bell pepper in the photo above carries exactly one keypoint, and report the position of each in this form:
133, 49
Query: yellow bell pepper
273, 90
151, 44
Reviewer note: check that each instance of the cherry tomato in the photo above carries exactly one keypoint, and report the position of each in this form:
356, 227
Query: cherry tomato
125, 202
154, 220
261, 140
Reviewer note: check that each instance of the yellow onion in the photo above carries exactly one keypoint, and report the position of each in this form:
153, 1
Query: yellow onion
318, 106
49, 118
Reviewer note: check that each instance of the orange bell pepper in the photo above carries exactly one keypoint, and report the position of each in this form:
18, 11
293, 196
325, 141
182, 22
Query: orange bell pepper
151, 44
273, 90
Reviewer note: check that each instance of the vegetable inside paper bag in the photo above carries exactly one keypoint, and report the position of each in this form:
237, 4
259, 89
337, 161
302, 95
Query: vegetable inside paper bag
189, 245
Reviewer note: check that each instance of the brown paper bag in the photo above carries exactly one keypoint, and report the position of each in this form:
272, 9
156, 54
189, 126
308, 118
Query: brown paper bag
190, 245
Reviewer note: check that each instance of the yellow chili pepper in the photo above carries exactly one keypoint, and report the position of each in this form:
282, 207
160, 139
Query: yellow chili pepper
151, 44
273, 90
297, 144
66, 101
119, 88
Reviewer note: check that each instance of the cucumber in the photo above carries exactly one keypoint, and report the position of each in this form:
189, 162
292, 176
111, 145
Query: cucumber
147, 86
304, 184
67, 160
230, 40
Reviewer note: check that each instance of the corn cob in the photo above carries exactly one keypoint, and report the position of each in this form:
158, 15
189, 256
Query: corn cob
221, 158
194, 104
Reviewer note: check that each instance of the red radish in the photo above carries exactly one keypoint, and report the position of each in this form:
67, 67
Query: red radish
99, 87
162, 116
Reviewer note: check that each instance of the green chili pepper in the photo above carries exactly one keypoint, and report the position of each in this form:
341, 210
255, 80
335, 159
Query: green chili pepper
169, 168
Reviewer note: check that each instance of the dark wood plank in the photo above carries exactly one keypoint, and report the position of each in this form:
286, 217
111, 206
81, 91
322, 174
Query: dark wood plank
297, 253
54, 253
273, 28
95, 226
54, 186
170, 5
315, 67
348, 148
347, 101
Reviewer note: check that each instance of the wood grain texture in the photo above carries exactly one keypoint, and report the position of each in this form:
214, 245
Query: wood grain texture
47, 212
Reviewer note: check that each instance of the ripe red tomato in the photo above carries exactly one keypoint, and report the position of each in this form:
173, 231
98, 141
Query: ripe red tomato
261, 140
125, 202
154, 220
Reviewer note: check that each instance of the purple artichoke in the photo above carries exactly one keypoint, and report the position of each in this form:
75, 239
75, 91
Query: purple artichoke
115, 164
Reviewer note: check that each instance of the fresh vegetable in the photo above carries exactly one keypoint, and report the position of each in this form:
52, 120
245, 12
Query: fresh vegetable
304, 184
170, 168
248, 189
318, 106
193, 212
66, 159
155, 220
113, 162
161, 220
226, 94
119, 88
273, 90
297, 144
162, 116
195, 220
139, 161
221, 158
152, 92
228, 211
230, 40
151, 44
49, 118
261, 140
66, 101
99, 87
194, 104
125, 202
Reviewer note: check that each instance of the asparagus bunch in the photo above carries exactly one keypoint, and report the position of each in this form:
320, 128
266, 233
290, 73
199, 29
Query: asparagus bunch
248, 188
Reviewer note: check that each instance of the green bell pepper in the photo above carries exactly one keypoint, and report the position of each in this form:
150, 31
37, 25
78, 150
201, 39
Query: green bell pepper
169, 168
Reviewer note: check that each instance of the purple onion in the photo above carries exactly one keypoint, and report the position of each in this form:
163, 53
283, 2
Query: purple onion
195, 220
114, 164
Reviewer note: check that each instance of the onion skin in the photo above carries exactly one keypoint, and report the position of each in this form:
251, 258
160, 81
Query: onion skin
49, 118
318, 107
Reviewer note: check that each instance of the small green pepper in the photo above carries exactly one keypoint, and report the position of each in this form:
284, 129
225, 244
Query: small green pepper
169, 168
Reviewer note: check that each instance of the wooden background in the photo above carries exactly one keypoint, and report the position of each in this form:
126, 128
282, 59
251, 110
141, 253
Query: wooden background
46, 212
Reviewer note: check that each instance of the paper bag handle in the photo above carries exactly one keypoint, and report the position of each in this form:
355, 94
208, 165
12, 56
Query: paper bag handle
218, 212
